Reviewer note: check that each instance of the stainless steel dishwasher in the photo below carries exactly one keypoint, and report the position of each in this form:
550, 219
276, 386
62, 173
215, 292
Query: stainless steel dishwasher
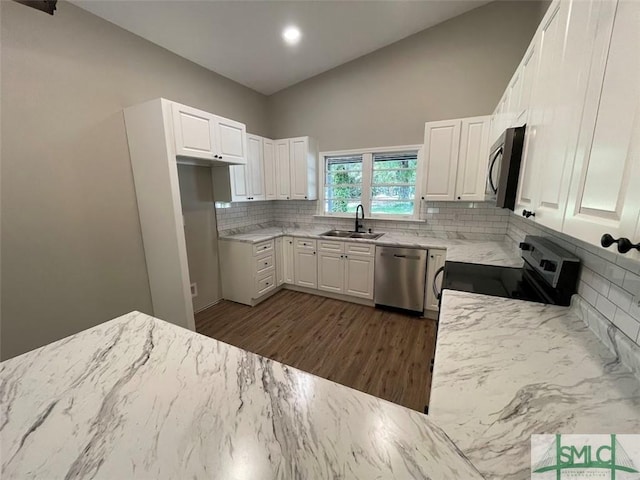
400, 275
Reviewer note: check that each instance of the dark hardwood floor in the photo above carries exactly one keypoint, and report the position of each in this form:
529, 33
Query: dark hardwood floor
386, 354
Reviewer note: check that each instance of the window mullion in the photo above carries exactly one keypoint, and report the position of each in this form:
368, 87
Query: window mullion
367, 176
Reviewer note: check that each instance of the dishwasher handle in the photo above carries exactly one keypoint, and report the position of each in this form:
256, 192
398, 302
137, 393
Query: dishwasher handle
397, 255
434, 286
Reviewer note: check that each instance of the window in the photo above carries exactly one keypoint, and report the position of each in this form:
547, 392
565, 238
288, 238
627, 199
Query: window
393, 184
342, 184
382, 180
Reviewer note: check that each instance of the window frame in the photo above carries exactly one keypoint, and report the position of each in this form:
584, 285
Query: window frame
367, 180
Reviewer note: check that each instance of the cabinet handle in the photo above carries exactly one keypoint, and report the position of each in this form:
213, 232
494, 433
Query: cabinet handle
305, 197
314, 253
624, 244
459, 198
528, 213
266, 263
287, 198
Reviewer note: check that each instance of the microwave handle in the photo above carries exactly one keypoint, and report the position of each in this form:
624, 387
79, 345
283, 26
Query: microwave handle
493, 164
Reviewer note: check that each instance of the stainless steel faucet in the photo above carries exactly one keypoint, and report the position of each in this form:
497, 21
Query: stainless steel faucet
359, 225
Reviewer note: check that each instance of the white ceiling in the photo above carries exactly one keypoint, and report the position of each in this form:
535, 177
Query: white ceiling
242, 39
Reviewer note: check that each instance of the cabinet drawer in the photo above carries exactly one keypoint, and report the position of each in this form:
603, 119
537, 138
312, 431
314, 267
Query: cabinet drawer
368, 249
330, 247
265, 284
305, 244
263, 247
264, 263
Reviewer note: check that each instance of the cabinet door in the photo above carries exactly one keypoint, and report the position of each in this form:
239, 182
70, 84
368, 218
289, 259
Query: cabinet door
231, 140
527, 74
288, 260
539, 135
306, 268
473, 158
514, 97
441, 145
194, 132
299, 168
359, 275
331, 272
279, 261
283, 169
435, 261
567, 103
238, 176
255, 167
270, 188
605, 192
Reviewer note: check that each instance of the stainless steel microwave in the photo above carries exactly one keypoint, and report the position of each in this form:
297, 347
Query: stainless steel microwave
504, 168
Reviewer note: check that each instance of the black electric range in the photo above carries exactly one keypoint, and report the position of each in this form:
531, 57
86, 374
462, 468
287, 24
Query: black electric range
549, 275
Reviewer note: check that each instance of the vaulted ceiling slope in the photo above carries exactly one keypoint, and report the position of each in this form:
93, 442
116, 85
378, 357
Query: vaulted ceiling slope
242, 39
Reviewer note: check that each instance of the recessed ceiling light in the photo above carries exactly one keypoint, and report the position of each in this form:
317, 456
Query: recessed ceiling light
291, 35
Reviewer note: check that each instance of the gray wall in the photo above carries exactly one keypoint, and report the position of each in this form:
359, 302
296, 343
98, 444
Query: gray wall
72, 253
456, 69
201, 235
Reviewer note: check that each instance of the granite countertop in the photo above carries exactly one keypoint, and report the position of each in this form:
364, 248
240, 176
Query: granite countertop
137, 397
458, 250
506, 369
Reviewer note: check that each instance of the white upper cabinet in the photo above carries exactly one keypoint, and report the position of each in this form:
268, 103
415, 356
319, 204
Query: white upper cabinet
456, 155
441, 144
283, 169
231, 140
605, 187
304, 158
296, 160
194, 132
247, 181
543, 115
270, 170
199, 134
472, 159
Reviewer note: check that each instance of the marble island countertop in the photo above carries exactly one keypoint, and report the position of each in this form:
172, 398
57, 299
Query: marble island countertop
506, 369
458, 250
137, 397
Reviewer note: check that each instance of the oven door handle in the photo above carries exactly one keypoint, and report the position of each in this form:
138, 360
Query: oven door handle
435, 286
493, 164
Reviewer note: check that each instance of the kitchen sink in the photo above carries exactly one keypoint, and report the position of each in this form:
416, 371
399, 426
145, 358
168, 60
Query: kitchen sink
368, 236
351, 234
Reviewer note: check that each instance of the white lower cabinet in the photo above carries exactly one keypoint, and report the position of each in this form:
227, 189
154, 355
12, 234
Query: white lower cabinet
251, 272
358, 276
248, 271
288, 260
435, 261
306, 263
346, 268
279, 261
331, 272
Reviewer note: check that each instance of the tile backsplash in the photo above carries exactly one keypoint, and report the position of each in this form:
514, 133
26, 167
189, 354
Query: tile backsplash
609, 282
472, 220
239, 217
